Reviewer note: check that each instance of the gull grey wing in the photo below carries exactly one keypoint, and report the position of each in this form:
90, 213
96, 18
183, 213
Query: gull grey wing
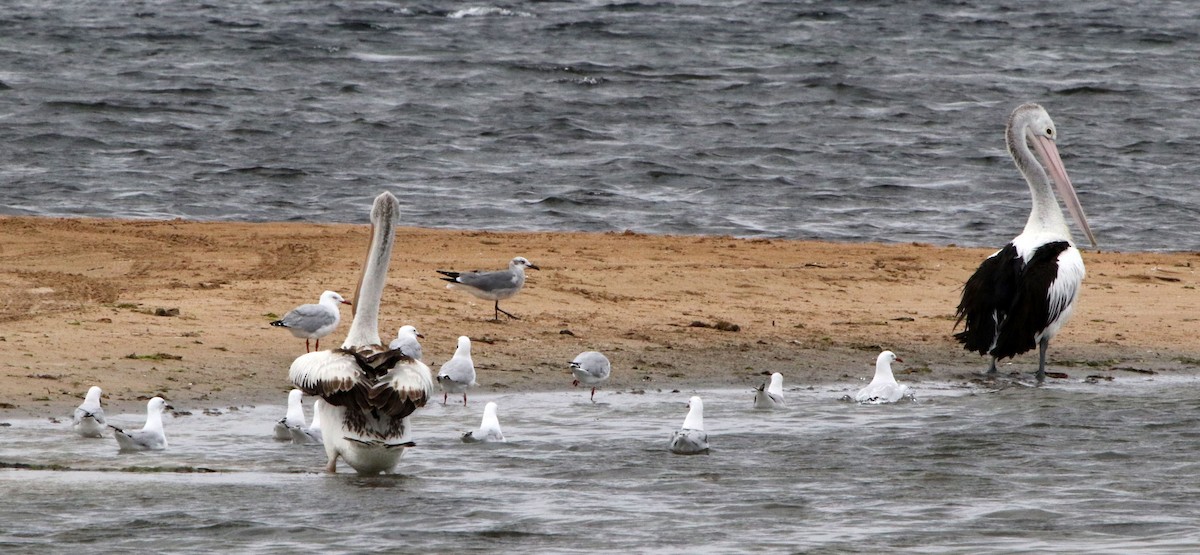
489, 281
309, 317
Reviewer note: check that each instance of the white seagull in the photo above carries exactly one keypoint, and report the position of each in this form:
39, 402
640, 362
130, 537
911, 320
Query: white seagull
151, 437
492, 286
406, 340
369, 390
590, 368
883, 387
489, 428
691, 439
458, 373
1021, 296
88, 420
294, 419
313, 321
312, 432
769, 397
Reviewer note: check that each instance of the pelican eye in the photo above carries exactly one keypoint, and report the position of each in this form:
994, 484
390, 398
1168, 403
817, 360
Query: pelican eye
1049, 132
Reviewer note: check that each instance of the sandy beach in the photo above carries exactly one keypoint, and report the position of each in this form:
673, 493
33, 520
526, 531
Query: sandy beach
181, 309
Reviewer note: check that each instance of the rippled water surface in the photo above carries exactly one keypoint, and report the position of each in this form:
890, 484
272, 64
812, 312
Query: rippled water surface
833, 120
1088, 468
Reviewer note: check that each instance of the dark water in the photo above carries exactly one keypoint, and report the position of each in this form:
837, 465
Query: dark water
831, 120
1068, 468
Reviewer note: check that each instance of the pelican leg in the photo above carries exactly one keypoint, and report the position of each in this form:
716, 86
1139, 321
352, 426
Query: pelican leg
1041, 373
992, 368
332, 466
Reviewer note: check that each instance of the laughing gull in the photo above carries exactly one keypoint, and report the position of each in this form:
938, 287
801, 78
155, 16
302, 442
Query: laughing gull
313, 321
883, 387
406, 341
458, 373
691, 439
590, 368
151, 436
489, 428
769, 397
88, 420
492, 286
294, 419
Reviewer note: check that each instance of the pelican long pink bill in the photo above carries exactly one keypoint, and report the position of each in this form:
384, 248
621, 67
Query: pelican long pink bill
1043, 144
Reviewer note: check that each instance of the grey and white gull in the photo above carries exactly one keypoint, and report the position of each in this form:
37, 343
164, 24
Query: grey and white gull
311, 433
88, 419
313, 321
883, 387
457, 374
769, 397
492, 286
293, 419
590, 368
406, 341
151, 437
489, 428
691, 439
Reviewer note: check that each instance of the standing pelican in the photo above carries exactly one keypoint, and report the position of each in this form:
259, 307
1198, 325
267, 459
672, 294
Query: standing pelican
369, 390
1021, 296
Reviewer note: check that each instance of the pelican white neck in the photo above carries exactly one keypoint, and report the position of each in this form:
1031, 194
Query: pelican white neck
364, 330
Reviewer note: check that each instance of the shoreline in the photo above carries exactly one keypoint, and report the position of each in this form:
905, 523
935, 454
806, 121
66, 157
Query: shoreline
78, 298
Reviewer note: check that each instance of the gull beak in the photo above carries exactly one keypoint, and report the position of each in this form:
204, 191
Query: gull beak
532, 266
421, 335
1048, 152
898, 359
347, 302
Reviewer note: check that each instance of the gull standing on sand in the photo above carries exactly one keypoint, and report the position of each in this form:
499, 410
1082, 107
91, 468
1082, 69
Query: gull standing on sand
769, 397
294, 419
590, 368
492, 286
458, 373
691, 439
312, 432
88, 420
883, 387
369, 390
406, 341
313, 321
489, 428
151, 437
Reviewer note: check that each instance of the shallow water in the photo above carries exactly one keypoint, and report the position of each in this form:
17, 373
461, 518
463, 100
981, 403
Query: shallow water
1097, 468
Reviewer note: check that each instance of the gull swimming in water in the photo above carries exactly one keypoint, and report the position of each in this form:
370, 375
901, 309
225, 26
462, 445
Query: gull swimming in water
769, 397
883, 387
369, 390
294, 417
590, 368
311, 433
458, 373
691, 439
151, 437
88, 420
489, 428
313, 321
406, 341
492, 286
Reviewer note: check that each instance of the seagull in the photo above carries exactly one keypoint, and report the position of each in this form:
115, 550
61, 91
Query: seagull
458, 373
294, 419
369, 390
151, 436
883, 387
313, 321
1023, 294
489, 428
691, 439
492, 286
311, 433
590, 368
89, 416
406, 341
769, 397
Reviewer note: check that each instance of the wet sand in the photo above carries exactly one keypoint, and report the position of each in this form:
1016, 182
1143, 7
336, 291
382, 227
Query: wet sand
181, 309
